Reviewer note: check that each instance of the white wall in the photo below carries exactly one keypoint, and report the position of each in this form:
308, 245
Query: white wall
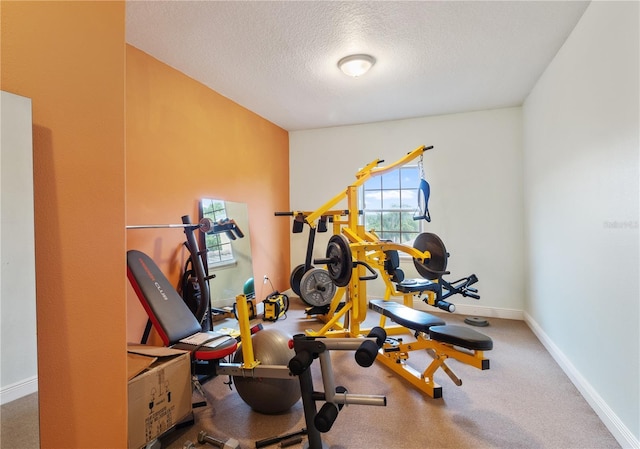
556, 182
475, 174
581, 143
18, 347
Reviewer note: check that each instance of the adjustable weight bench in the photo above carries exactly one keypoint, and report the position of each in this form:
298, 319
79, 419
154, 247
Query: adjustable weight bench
441, 341
172, 318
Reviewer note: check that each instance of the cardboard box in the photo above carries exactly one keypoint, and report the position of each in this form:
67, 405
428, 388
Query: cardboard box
159, 391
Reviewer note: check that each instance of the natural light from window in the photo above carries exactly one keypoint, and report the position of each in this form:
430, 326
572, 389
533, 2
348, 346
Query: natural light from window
218, 245
389, 203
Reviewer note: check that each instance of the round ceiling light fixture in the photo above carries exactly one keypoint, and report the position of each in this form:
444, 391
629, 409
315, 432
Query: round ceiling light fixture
356, 65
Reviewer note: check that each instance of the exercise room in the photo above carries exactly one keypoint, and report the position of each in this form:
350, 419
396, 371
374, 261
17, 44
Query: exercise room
320, 225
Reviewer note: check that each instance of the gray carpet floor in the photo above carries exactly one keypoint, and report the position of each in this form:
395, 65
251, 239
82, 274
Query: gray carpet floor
523, 401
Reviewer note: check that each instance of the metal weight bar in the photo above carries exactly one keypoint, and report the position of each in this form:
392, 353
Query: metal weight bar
339, 260
205, 225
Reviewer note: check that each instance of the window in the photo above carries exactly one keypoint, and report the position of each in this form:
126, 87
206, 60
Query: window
218, 246
389, 205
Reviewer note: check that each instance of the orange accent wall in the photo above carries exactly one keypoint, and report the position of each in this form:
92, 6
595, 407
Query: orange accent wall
186, 142
69, 58
183, 142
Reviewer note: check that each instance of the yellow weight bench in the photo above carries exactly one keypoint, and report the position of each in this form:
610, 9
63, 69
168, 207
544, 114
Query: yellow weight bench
440, 340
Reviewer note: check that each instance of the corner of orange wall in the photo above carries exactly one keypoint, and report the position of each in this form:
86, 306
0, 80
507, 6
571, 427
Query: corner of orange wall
186, 142
69, 57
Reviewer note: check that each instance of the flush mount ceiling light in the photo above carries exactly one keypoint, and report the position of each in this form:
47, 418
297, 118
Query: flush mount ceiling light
356, 65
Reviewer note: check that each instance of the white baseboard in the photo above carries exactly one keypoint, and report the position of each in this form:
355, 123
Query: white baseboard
474, 310
18, 390
488, 312
617, 428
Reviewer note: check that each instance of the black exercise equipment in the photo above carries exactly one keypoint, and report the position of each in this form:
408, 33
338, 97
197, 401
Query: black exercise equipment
435, 267
280, 439
340, 263
432, 282
195, 284
476, 321
335, 397
202, 295
195, 280
171, 317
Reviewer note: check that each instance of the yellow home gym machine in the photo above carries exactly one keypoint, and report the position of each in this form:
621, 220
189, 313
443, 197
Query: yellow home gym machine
354, 255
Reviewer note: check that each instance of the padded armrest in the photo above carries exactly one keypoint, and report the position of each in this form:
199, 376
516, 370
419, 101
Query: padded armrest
461, 336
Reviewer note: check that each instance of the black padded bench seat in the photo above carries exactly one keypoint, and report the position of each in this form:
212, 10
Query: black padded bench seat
405, 316
461, 336
170, 315
437, 329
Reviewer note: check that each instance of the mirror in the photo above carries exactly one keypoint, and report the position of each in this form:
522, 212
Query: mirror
228, 249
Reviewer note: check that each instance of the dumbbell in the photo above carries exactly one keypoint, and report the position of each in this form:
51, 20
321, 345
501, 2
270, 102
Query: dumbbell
231, 443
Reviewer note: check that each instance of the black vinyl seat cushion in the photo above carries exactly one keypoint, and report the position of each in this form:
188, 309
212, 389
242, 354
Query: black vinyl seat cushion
461, 336
416, 320
170, 315
437, 329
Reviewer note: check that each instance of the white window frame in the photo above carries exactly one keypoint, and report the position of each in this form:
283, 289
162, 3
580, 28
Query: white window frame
218, 246
392, 194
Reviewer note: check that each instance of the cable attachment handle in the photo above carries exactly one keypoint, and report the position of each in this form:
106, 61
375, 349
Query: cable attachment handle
422, 213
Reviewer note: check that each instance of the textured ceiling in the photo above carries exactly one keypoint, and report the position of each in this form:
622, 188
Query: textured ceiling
278, 59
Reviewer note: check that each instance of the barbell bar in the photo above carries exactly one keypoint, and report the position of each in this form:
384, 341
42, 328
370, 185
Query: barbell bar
205, 225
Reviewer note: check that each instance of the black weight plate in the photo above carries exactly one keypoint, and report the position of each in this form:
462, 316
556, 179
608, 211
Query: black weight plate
476, 321
341, 265
334, 255
433, 268
296, 277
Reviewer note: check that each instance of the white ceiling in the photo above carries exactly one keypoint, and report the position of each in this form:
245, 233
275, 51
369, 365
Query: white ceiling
278, 58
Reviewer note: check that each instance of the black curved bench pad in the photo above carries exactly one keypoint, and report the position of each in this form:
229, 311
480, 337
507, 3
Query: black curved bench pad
171, 317
461, 336
437, 329
405, 316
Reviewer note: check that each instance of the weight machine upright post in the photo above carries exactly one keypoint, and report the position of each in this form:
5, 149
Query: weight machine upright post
248, 358
352, 205
357, 290
198, 266
310, 243
310, 410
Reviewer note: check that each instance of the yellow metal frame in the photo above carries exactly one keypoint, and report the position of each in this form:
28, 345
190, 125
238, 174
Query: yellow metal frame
250, 367
367, 247
246, 344
395, 356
